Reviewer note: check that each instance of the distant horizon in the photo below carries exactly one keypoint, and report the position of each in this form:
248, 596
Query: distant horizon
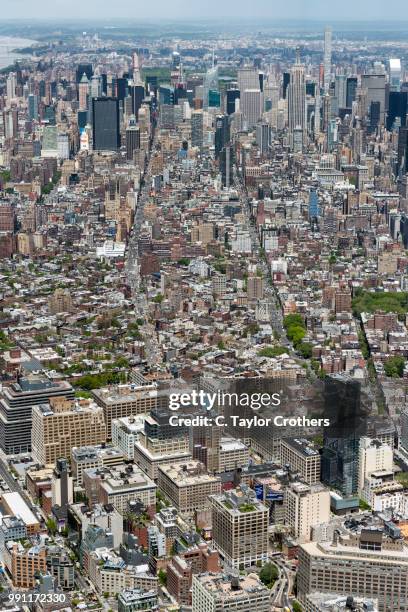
211, 10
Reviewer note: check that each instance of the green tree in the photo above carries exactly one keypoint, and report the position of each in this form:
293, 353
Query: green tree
305, 349
394, 366
297, 607
51, 526
269, 574
272, 351
162, 576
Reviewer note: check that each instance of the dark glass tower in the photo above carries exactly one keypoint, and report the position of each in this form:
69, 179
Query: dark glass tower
232, 95
351, 88
105, 124
222, 134
348, 422
397, 107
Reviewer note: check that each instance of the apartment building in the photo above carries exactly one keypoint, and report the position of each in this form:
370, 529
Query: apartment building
188, 485
118, 486
16, 405
63, 424
126, 400
25, 563
302, 457
195, 560
240, 593
305, 506
240, 527
368, 563
125, 434
99, 456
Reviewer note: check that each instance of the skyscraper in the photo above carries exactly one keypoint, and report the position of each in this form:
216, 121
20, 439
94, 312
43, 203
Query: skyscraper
374, 84
313, 204
343, 407
210, 84
132, 138
197, 129
248, 78
397, 109
297, 97
232, 95
263, 137
251, 106
395, 74
105, 124
222, 133
83, 92
33, 106
351, 89
327, 57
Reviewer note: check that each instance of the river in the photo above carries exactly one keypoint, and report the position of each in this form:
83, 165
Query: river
7, 44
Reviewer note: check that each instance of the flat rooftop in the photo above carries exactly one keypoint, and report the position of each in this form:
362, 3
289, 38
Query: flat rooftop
18, 507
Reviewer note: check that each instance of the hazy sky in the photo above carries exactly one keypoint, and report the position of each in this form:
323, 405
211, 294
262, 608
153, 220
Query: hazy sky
190, 9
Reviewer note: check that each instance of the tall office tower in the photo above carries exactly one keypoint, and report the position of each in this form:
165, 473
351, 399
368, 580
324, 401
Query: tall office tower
137, 78
271, 96
33, 106
327, 59
63, 424
374, 84
221, 592
132, 138
317, 113
11, 84
305, 506
84, 68
83, 92
397, 109
313, 204
197, 129
263, 137
297, 97
232, 95
226, 166
210, 84
326, 112
348, 420
105, 124
16, 405
120, 88
402, 156
222, 133
137, 93
340, 89
373, 456
351, 91
251, 106
357, 141
240, 527
374, 116
62, 486
50, 141
248, 78
395, 73
285, 84
95, 86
